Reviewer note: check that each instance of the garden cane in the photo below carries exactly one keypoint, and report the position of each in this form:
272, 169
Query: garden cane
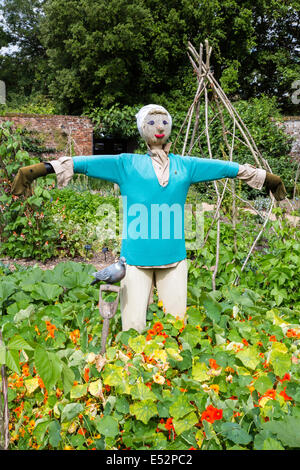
107, 311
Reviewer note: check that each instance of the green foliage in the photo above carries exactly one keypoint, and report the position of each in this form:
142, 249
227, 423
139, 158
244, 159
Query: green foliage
117, 121
152, 389
88, 53
23, 68
25, 229
79, 214
35, 103
272, 271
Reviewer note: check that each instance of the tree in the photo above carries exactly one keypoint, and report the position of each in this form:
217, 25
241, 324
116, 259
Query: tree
88, 53
23, 67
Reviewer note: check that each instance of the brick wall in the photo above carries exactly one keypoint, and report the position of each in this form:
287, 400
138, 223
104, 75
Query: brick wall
57, 132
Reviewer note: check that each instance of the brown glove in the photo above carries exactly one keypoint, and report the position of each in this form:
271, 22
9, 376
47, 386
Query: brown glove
24, 178
274, 184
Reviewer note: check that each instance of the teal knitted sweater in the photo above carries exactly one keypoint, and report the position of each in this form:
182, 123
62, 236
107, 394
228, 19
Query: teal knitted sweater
153, 215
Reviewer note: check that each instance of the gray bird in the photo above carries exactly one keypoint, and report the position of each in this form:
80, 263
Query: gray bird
112, 273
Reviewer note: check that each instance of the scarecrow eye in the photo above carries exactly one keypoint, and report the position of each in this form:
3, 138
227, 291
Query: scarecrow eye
165, 122
151, 123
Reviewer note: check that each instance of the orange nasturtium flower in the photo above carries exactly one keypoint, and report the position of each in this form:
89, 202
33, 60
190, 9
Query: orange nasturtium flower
285, 377
284, 395
156, 330
74, 336
86, 374
170, 427
292, 333
271, 393
212, 414
50, 328
25, 370
37, 330
213, 364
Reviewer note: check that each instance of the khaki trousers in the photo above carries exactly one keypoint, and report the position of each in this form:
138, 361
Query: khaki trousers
136, 287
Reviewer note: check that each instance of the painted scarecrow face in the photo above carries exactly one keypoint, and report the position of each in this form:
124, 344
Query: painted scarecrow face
154, 124
156, 128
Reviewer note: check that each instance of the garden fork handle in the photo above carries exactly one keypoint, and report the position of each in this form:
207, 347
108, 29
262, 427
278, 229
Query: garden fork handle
107, 311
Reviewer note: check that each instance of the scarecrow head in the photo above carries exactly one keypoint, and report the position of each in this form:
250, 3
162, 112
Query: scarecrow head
154, 124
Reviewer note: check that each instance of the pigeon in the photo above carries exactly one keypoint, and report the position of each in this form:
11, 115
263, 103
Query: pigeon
112, 273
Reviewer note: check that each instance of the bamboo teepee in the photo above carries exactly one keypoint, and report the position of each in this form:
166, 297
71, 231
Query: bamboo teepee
209, 91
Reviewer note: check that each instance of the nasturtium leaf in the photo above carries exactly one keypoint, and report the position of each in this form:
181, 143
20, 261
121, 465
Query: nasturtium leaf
12, 360
108, 426
174, 354
180, 407
286, 429
40, 430
95, 388
17, 342
272, 444
68, 378
208, 429
54, 433
191, 335
122, 405
78, 391
48, 366
212, 307
199, 372
140, 391
70, 411
195, 317
143, 410
31, 384
262, 384
76, 440
280, 359
249, 357
160, 355
137, 344
181, 425
113, 375
235, 433
76, 359
111, 353
152, 346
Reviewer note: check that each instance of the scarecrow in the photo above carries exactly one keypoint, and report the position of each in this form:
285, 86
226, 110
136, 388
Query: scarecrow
154, 188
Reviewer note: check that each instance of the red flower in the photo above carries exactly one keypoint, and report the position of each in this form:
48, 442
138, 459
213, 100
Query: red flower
86, 374
285, 377
213, 364
169, 424
272, 338
284, 395
270, 393
170, 427
158, 327
212, 414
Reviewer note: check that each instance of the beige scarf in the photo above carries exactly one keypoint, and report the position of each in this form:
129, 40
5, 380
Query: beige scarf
161, 163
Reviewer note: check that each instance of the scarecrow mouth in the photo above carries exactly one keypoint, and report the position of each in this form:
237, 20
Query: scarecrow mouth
159, 136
